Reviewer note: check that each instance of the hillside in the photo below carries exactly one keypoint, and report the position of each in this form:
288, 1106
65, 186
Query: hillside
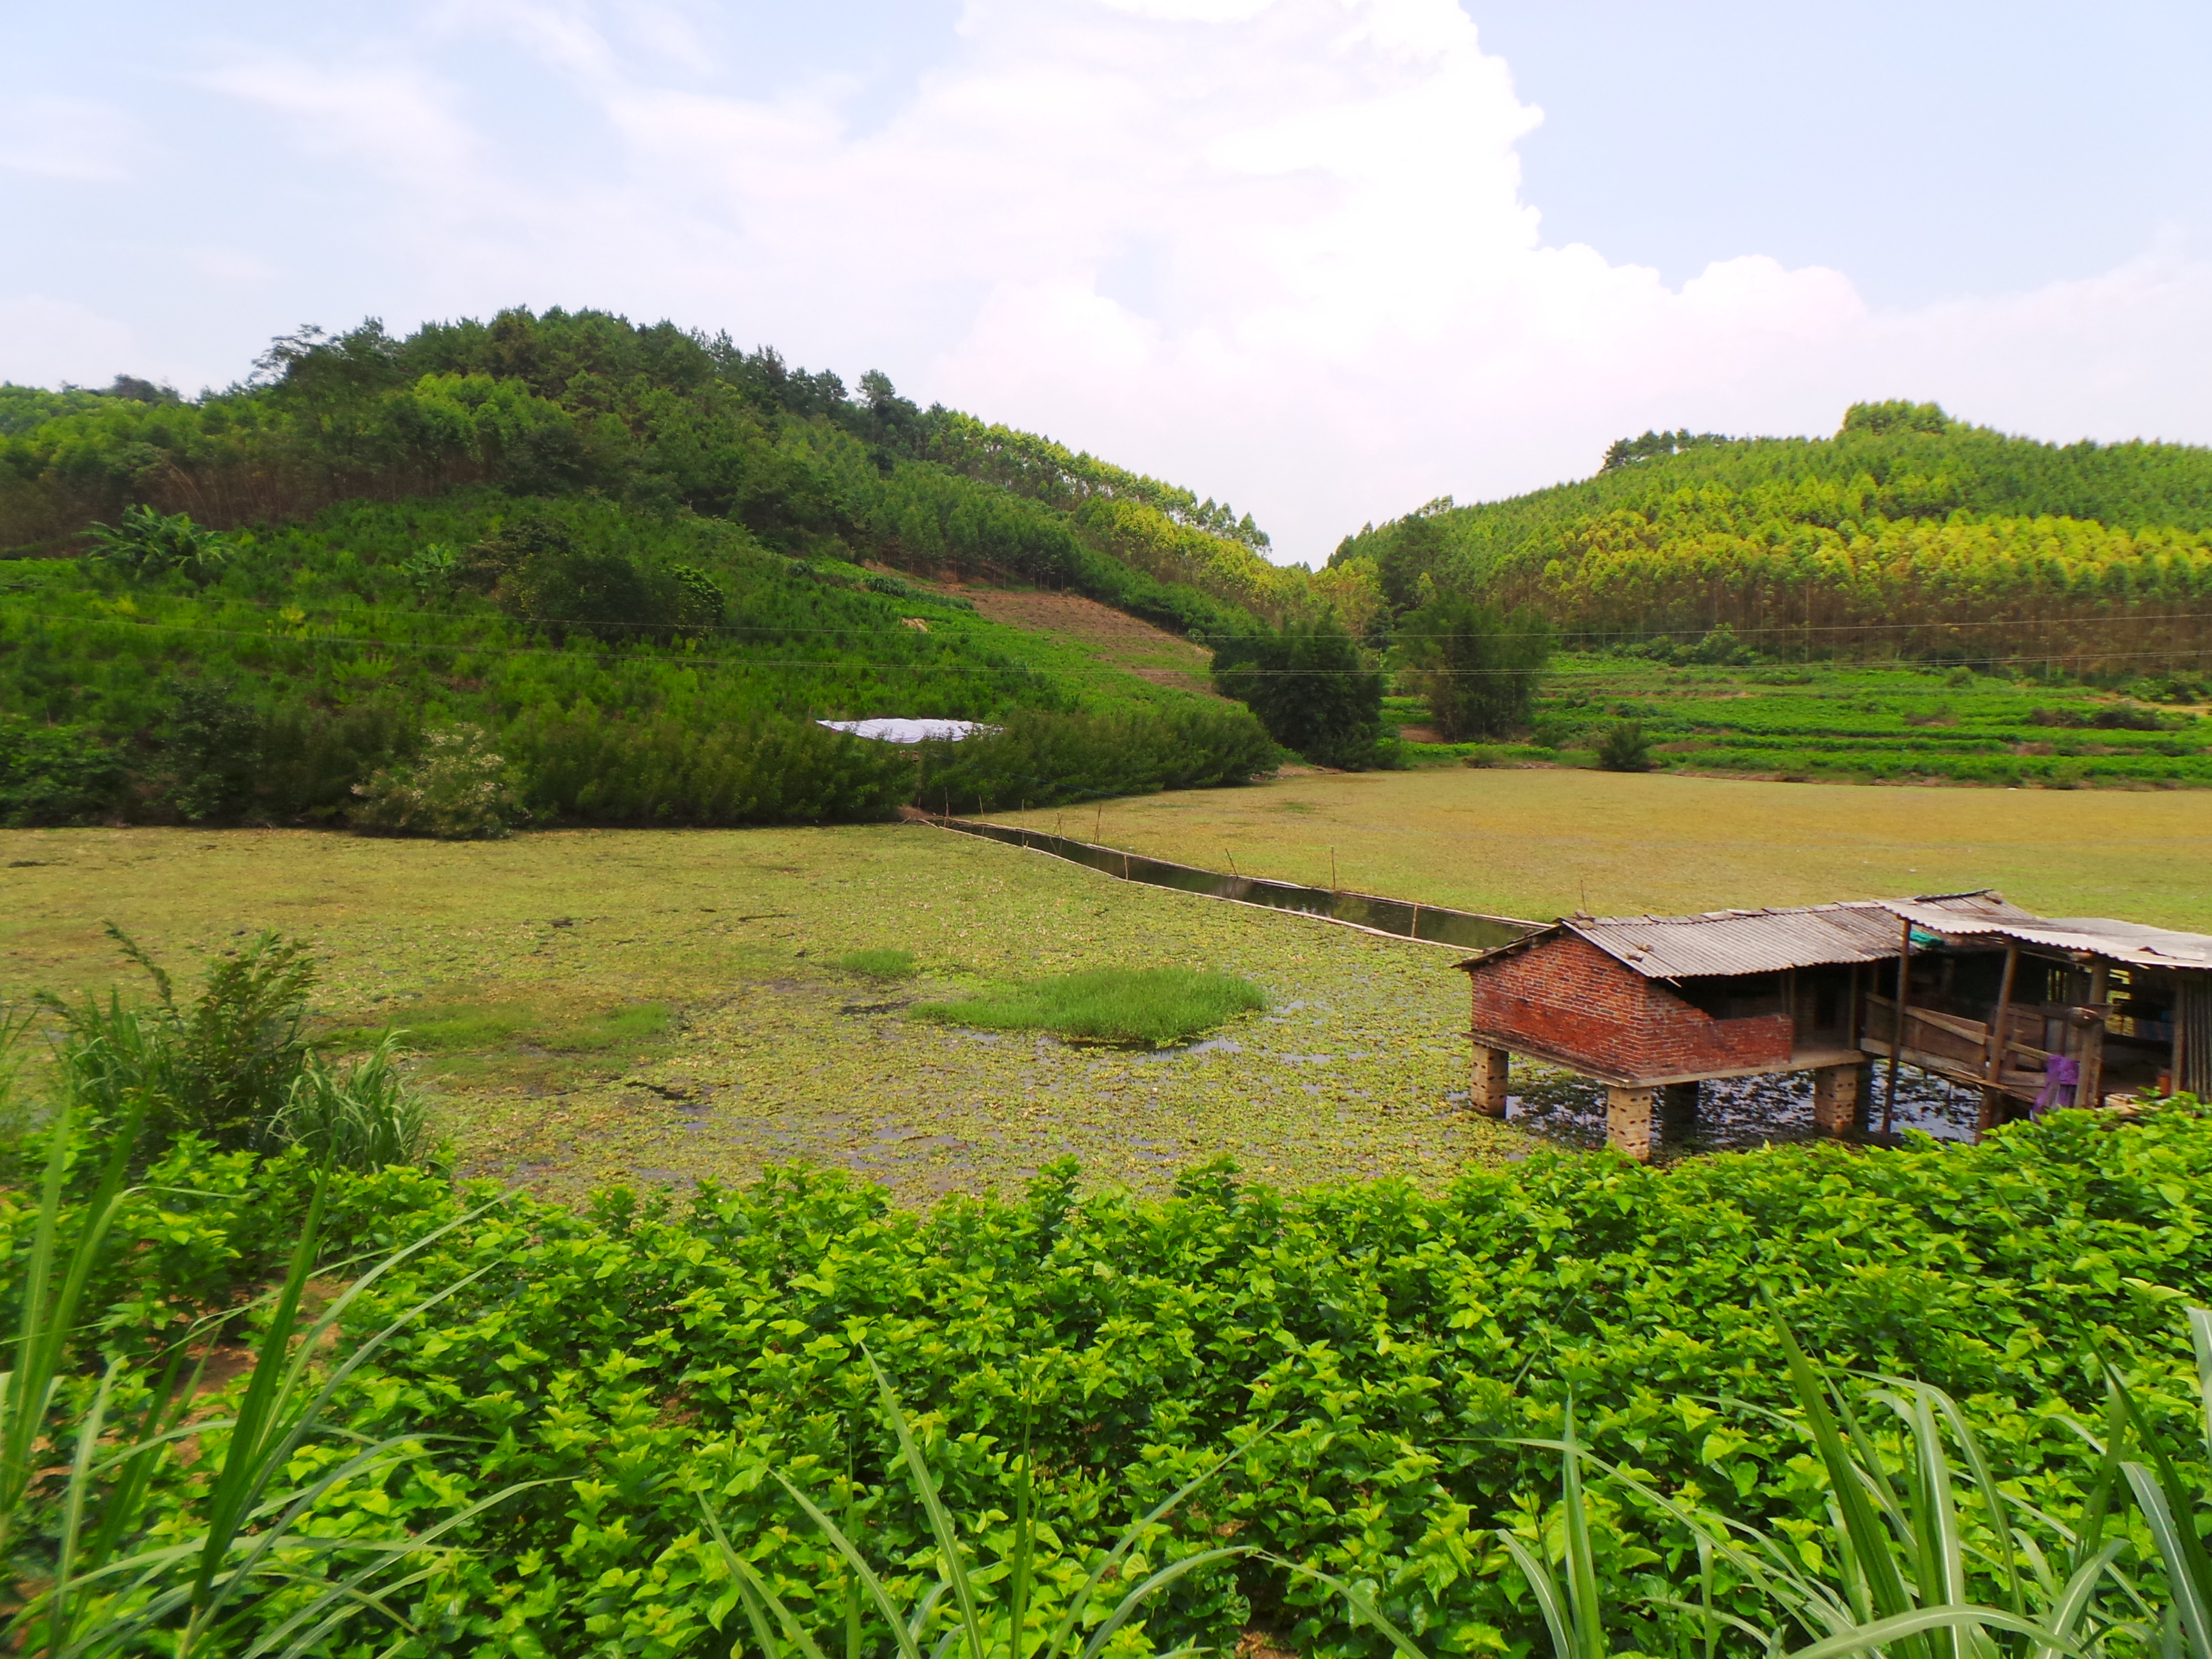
641, 562
1906, 533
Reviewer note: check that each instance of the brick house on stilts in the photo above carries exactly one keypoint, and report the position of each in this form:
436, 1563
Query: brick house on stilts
1653, 1006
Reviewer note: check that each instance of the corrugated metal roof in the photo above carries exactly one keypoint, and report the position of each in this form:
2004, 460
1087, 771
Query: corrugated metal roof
1763, 941
2130, 942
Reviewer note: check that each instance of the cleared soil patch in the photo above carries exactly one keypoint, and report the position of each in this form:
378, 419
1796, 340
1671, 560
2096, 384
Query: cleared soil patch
1544, 842
1111, 636
657, 1006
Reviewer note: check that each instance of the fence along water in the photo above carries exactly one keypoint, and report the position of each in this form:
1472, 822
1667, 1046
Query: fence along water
1429, 924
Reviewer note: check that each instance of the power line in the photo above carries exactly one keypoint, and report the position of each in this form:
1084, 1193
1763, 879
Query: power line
2016, 660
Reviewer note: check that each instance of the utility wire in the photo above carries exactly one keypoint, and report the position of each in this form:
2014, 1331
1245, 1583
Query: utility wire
822, 663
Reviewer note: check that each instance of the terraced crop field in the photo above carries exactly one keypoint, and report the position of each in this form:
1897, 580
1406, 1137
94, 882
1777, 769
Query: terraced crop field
1871, 723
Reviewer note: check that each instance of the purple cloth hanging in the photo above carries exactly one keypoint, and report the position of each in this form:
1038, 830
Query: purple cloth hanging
2060, 1074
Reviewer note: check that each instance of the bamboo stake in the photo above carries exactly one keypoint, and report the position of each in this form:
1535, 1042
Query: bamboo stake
2090, 1091
1897, 1032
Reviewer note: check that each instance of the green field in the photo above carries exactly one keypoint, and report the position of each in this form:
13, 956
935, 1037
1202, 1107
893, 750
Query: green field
1540, 842
1844, 723
653, 1006
657, 1005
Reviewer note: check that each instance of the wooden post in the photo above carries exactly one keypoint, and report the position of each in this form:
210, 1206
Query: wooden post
2090, 1091
2180, 1051
1486, 1093
1897, 1031
1992, 1091
1628, 1121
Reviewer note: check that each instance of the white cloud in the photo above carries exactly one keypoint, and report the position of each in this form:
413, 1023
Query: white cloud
75, 139
1276, 250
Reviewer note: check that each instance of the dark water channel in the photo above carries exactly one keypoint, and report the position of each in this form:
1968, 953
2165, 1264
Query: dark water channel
1737, 1114
1435, 924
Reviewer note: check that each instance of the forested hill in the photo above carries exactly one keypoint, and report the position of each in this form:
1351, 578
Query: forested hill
655, 418
618, 571
1907, 531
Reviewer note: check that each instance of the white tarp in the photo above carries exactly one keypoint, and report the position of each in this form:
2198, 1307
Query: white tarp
905, 731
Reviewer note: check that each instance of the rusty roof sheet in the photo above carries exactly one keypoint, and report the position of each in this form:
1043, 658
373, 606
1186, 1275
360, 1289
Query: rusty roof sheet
1763, 941
2130, 942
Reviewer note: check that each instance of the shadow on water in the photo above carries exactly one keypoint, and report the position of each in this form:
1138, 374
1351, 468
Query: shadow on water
1737, 1114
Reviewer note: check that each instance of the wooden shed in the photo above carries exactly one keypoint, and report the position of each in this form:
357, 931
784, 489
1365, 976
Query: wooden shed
1652, 1006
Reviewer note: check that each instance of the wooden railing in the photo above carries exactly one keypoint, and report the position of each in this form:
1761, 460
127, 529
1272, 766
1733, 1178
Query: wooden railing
1958, 1048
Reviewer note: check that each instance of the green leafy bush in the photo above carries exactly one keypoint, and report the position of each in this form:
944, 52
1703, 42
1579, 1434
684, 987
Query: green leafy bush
54, 774
460, 789
1310, 687
1155, 1006
233, 1067
1478, 666
1622, 747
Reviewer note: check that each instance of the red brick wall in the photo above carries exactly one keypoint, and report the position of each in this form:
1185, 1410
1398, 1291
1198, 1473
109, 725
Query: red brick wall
1566, 999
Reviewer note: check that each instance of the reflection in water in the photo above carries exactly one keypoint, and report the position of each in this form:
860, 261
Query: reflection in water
1737, 1113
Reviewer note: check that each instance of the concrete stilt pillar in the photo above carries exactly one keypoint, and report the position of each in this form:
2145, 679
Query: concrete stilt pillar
1677, 1108
1486, 1094
1628, 1114
1836, 1100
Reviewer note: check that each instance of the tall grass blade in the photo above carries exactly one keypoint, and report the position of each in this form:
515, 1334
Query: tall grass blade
1134, 1603
1583, 1609
908, 1639
1365, 1612
1903, 1627
47, 1316
1017, 1596
2183, 1553
1873, 1549
941, 1520
1545, 1586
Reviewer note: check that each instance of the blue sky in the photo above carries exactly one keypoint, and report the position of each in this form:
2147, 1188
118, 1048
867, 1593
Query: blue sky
1325, 259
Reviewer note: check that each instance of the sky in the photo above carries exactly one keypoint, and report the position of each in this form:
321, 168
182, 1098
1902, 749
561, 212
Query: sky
1325, 259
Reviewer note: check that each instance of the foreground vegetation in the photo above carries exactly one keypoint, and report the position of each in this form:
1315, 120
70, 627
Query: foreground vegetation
1335, 1420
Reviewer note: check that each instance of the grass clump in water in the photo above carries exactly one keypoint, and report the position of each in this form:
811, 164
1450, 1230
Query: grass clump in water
879, 963
1153, 1005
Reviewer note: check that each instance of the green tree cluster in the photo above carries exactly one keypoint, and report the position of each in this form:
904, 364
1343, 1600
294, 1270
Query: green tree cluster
1479, 666
1311, 688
